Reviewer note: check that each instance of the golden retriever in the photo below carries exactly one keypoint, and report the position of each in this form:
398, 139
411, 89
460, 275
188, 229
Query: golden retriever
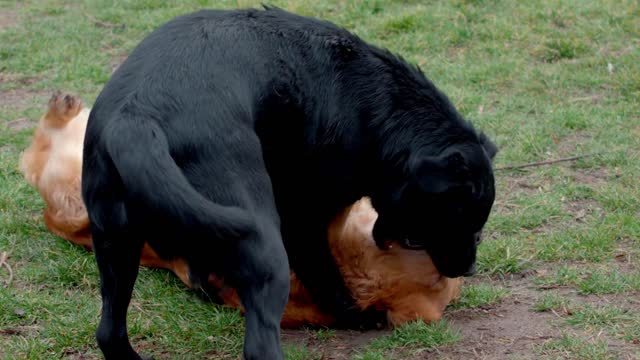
404, 283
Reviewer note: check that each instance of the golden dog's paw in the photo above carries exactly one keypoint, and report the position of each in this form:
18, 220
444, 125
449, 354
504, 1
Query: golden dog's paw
63, 107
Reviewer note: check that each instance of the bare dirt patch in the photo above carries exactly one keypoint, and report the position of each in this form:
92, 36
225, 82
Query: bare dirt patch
594, 177
580, 209
8, 18
627, 255
628, 301
606, 50
515, 185
510, 329
11, 78
73, 354
21, 99
342, 345
21, 124
589, 97
24, 330
507, 330
572, 144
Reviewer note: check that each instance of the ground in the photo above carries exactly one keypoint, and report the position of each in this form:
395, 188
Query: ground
559, 269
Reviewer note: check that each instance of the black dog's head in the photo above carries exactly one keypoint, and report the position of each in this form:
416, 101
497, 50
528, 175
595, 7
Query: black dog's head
442, 205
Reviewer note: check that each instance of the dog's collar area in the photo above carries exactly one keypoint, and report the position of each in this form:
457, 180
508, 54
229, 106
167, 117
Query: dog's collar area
408, 244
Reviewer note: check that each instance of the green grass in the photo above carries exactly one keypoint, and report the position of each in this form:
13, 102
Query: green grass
551, 302
600, 317
479, 295
505, 255
299, 352
543, 78
412, 337
614, 320
323, 334
596, 281
574, 347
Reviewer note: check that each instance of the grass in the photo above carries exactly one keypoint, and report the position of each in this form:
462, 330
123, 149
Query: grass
543, 78
598, 281
574, 347
616, 321
479, 295
413, 337
323, 334
299, 352
551, 302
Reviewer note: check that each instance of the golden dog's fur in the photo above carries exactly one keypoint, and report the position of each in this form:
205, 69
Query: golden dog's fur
402, 282
53, 164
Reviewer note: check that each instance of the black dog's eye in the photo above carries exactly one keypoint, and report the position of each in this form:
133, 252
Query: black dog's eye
410, 244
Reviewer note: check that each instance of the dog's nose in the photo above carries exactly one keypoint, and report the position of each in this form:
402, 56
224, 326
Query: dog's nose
477, 238
472, 270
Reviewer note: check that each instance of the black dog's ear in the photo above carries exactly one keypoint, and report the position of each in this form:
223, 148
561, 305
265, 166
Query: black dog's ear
488, 145
436, 174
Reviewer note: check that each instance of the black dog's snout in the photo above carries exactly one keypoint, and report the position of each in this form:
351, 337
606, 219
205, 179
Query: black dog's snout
477, 238
471, 271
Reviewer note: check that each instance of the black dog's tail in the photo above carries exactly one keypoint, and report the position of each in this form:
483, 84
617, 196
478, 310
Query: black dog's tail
153, 180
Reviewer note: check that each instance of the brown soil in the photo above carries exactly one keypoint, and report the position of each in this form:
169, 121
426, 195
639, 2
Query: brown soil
515, 185
571, 144
591, 177
508, 330
8, 18
21, 124
342, 345
21, 99
582, 208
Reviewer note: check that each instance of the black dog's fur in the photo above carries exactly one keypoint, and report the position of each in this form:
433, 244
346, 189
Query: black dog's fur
221, 127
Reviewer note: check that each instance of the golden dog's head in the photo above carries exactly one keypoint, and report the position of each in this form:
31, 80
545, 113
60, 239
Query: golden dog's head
405, 283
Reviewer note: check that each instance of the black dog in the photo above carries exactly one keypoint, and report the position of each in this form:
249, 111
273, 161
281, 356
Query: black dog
221, 125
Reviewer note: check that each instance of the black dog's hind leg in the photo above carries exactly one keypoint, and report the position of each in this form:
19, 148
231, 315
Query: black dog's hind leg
262, 278
118, 256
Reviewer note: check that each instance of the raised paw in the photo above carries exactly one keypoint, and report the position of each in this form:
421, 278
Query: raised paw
62, 108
